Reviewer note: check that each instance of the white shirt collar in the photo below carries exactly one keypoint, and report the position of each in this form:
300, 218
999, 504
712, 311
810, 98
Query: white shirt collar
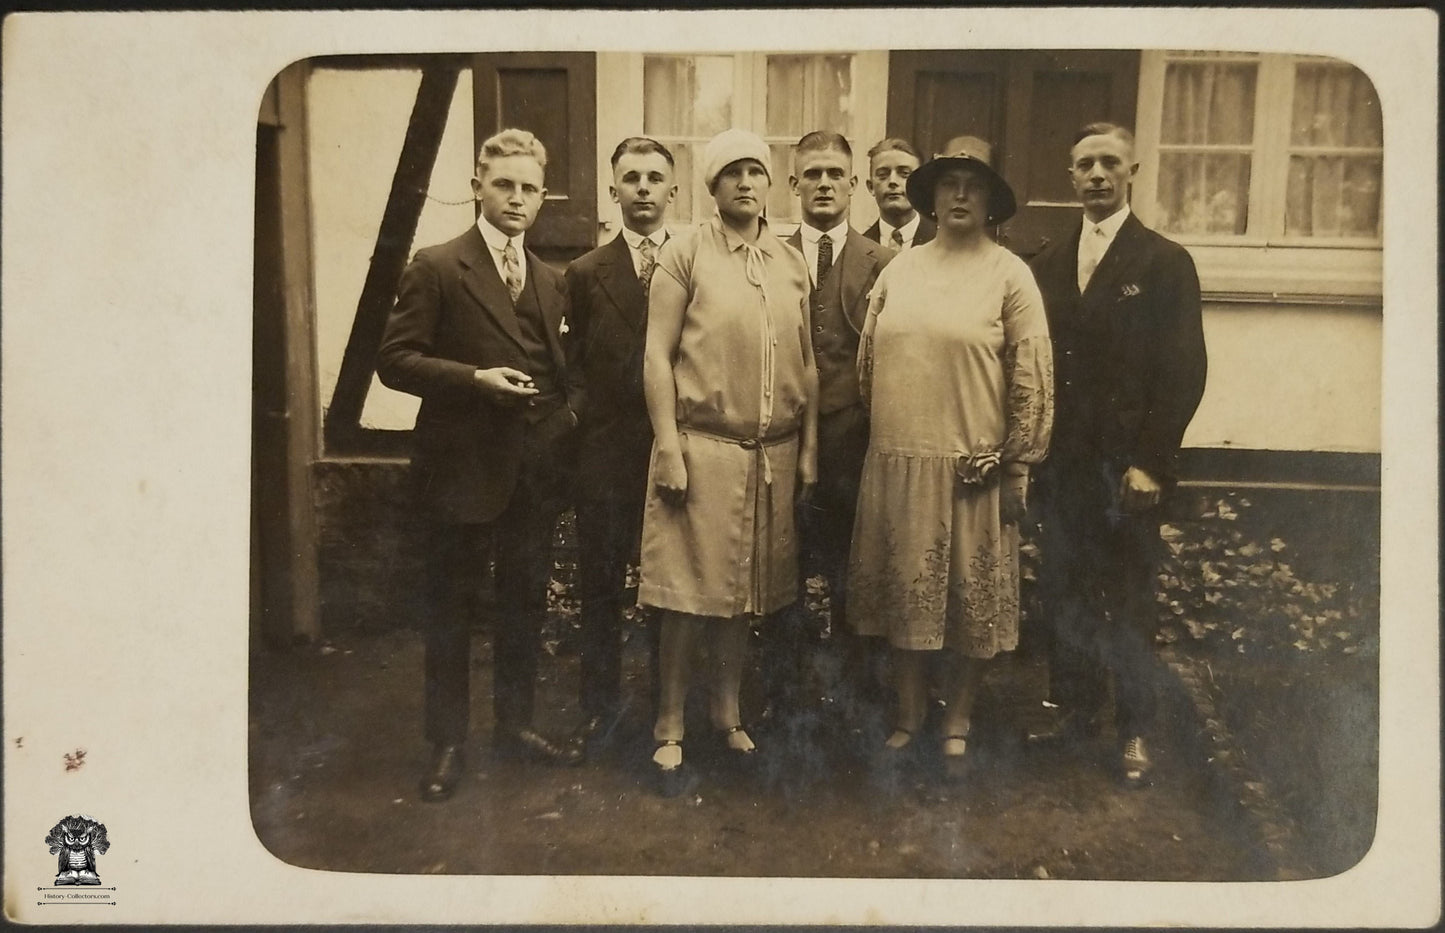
634, 239
497, 240
838, 234
907, 231
1109, 225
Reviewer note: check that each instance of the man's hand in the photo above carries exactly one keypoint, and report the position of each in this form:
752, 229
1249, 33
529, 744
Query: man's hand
671, 476
505, 384
1138, 490
1013, 497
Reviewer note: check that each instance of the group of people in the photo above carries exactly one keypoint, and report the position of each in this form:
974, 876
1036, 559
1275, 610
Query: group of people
725, 407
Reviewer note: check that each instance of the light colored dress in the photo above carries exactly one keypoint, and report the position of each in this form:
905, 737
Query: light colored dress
954, 362
740, 369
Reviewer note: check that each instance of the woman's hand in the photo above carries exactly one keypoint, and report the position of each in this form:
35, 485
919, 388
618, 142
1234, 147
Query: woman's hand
1013, 495
671, 475
806, 483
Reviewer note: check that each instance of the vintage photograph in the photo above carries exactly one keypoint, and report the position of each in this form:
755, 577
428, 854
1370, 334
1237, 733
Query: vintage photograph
912, 463
896, 467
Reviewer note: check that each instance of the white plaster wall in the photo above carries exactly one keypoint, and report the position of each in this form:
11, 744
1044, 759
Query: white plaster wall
356, 121
1290, 378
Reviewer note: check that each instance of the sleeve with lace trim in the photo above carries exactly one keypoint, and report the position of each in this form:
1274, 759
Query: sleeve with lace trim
1028, 368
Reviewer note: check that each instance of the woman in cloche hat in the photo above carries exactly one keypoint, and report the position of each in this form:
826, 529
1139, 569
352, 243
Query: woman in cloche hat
955, 364
732, 395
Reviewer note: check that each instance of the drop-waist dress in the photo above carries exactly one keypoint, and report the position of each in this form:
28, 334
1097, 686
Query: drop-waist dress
955, 364
740, 369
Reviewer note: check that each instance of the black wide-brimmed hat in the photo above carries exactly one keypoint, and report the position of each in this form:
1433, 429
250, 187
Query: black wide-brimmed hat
965, 152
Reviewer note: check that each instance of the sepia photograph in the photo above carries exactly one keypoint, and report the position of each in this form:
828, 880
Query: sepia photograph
1237, 633
729, 474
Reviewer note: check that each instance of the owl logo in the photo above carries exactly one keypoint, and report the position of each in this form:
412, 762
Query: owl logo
77, 840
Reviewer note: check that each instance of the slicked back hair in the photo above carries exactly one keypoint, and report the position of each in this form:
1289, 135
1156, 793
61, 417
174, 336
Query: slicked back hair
510, 142
1104, 128
891, 144
641, 145
822, 141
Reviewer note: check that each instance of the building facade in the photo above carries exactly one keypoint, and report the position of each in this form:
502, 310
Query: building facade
1267, 167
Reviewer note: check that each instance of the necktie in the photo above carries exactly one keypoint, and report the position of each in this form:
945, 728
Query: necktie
648, 249
1091, 250
512, 271
825, 258
896, 241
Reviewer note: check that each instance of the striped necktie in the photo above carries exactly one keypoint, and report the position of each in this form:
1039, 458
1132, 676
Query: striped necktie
896, 241
825, 258
648, 251
512, 271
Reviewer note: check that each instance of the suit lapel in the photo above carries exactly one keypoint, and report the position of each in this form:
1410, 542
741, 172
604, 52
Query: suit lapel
541, 280
486, 287
858, 264
618, 278
1058, 277
1117, 263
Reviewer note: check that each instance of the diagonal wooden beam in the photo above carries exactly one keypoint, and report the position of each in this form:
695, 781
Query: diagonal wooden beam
393, 248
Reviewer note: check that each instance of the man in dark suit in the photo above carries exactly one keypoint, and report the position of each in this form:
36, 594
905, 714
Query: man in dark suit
608, 288
1124, 314
842, 267
898, 226
476, 334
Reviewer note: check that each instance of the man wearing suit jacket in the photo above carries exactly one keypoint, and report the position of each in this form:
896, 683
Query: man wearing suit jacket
608, 288
842, 267
898, 226
1123, 308
476, 334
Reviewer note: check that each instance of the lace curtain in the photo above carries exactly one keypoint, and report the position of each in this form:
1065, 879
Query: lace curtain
687, 99
1208, 119
1215, 144
1335, 164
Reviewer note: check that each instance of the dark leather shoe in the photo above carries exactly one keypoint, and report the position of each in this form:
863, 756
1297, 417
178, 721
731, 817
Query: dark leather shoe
1135, 763
1065, 727
440, 780
534, 746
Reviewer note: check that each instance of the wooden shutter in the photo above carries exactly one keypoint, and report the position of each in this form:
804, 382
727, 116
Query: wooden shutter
554, 95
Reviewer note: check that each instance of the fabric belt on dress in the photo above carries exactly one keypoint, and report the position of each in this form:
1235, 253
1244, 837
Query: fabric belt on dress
760, 444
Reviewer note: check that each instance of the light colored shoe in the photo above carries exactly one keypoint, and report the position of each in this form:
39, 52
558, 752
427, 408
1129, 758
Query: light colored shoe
1135, 762
955, 750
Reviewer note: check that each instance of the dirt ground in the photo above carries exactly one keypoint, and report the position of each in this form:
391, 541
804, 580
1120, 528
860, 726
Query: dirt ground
336, 751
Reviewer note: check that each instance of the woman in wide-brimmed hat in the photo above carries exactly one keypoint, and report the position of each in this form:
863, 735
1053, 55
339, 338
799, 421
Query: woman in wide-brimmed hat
732, 395
956, 366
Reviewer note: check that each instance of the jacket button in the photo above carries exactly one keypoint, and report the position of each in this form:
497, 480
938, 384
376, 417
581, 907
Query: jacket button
818, 328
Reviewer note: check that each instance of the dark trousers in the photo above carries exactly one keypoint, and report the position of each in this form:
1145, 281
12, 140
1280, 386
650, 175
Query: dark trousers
825, 536
609, 530
519, 542
1097, 587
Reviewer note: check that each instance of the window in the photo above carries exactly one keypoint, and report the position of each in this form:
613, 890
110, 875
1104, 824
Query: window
687, 99
1270, 147
1335, 153
1279, 156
